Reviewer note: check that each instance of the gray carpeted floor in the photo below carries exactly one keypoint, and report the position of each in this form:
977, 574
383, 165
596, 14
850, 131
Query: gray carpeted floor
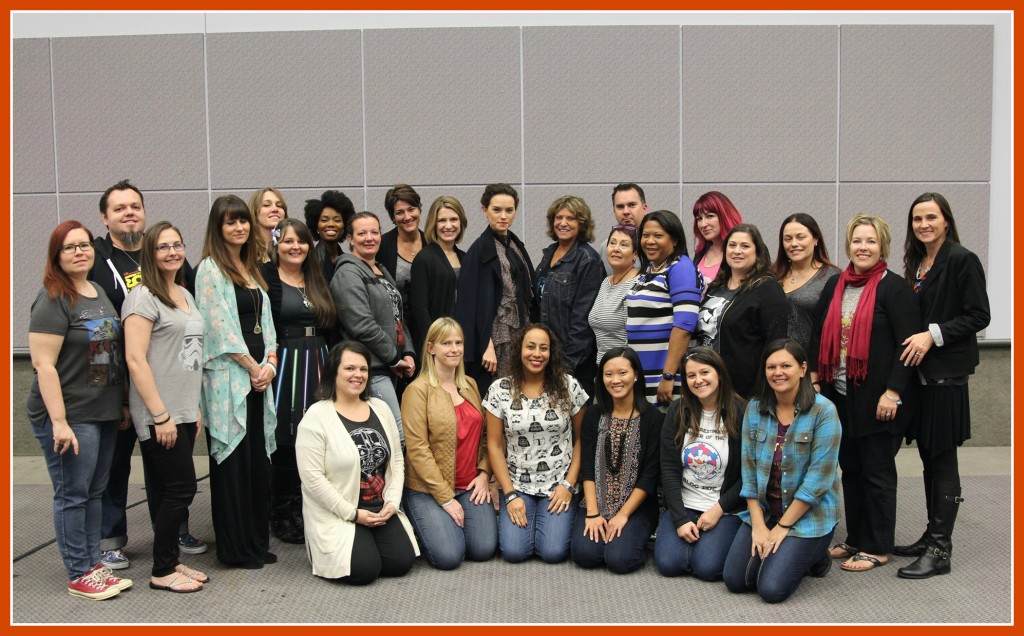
978, 590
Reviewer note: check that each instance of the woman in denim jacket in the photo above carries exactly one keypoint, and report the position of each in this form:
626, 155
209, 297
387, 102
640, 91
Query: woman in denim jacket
568, 278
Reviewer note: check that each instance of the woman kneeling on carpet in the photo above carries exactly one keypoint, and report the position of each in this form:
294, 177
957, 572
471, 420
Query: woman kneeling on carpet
790, 454
619, 469
350, 462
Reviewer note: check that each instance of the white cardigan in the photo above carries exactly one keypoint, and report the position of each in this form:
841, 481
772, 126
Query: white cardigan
328, 465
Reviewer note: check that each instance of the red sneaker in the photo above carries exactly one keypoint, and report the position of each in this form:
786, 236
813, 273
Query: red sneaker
92, 586
107, 576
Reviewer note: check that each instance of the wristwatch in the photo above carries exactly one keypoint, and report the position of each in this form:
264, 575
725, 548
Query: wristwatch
668, 376
568, 486
510, 497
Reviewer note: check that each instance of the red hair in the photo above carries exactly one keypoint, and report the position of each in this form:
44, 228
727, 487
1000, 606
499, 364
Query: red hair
55, 279
728, 217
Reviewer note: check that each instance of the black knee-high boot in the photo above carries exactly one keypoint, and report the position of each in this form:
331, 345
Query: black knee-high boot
918, 547
936, 557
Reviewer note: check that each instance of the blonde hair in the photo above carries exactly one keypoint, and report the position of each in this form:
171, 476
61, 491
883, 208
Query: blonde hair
255, 202
438, 331
881, 229
442, 203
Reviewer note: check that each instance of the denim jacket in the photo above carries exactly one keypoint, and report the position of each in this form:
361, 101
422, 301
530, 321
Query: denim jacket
569, 292
810, 464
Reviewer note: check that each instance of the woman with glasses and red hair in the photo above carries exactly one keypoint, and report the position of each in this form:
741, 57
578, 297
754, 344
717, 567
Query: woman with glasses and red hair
76, 402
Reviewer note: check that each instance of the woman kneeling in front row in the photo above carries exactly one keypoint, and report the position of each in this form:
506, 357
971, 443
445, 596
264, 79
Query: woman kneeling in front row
350, 462
619, 460
446, 492
790, 454
700, 471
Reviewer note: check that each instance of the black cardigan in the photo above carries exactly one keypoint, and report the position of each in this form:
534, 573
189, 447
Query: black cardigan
387, 254
896, 317
672, 467
755, 317
432, 292
647, 471
953, 295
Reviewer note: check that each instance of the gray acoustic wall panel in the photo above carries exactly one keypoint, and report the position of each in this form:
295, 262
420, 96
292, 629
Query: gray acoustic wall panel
32, 117
186, 210
598, 198
759, 103
285, 109
442, 106
34, 216
130, 107
767, 205
969, 202
601, 104
916, 103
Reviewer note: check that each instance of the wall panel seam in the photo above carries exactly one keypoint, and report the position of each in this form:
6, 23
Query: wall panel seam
522, 131
206, 109
839, 114
362, 109
53, 114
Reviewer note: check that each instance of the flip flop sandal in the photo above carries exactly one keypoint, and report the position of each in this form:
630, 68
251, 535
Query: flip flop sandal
846, 554
176, 585
857, 558
192, 573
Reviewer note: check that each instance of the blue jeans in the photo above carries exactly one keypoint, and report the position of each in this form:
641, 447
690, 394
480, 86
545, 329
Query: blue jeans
624, 554
383, 387
704, 558
779, 574
78, 484
444, 544
546, 533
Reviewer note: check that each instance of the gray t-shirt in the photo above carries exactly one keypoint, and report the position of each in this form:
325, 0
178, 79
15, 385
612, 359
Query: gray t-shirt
175, 356
90, 363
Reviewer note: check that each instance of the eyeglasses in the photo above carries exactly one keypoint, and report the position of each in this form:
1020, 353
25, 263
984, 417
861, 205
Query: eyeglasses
163, 248
630, 229
71, 247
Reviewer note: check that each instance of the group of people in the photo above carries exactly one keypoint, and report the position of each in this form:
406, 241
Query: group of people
408, 397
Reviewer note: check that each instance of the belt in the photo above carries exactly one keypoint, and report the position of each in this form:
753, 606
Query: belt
298, 332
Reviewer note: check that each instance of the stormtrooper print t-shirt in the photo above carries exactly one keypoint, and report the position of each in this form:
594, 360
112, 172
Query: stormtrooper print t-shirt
175, 356
538, 435
374, 455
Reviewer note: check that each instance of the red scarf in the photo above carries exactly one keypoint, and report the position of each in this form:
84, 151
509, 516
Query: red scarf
860, 328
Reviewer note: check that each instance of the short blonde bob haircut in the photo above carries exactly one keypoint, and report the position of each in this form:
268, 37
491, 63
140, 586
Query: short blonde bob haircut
881, 229
580, 210
441, 203
440, 329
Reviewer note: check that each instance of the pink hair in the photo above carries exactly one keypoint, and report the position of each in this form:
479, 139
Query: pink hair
728, 217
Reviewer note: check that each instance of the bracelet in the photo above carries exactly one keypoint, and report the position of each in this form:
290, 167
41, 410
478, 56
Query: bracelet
155, 423
273, 365
164, 412
246, 366
593, 516
898, 401
448, 503
782, 525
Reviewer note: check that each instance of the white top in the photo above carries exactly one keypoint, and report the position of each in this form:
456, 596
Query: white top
704, 461
538, 435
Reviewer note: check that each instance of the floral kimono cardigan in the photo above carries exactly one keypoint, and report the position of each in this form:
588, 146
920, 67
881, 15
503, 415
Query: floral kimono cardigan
225, 383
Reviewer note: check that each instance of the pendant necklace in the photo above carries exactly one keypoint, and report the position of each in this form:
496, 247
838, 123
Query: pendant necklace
257, 306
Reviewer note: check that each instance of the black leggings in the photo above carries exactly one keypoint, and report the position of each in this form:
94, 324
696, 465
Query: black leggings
942, 468
381, 551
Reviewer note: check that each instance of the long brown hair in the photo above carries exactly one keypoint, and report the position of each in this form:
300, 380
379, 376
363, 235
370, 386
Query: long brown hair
226, 208
55, 279
555, 384
255, 202
312, 274
762, 261
913, 249
729, 407
151, 276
